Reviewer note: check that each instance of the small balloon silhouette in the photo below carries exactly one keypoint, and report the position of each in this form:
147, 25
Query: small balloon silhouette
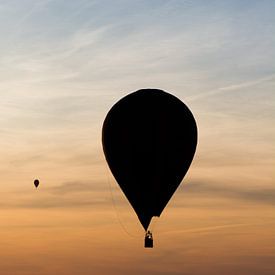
36, 183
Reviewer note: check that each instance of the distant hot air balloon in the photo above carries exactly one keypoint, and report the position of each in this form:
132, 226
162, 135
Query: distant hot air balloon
36, 183
149, 139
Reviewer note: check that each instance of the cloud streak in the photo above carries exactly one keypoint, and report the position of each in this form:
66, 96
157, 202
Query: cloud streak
76, 194
230, 193
233, 87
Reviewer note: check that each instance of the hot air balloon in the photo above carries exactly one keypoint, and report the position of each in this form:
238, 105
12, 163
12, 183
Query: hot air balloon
36, 183
149, 139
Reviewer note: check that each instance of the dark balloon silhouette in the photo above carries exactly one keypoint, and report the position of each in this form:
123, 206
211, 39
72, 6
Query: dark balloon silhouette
36, 183
149, 139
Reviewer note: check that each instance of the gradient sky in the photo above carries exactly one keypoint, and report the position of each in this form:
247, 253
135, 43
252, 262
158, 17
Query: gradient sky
63, 64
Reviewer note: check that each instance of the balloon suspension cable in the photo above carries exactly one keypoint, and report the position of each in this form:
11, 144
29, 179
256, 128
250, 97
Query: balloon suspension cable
116, 209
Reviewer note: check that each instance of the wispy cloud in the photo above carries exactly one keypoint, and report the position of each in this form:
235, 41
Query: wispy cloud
99, 194
232, 87
243, 194
212, 229
66, 195
76, 187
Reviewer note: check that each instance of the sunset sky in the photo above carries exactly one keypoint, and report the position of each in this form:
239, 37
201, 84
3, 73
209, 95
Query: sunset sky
64, 63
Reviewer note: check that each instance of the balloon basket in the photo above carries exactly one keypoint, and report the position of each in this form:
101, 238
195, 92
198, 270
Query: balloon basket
148, 240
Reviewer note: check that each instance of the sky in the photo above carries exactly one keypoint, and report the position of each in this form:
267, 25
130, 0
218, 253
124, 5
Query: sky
63, 64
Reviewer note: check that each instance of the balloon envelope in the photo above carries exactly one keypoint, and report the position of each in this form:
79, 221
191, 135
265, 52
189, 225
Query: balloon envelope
149, 139
36, 183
